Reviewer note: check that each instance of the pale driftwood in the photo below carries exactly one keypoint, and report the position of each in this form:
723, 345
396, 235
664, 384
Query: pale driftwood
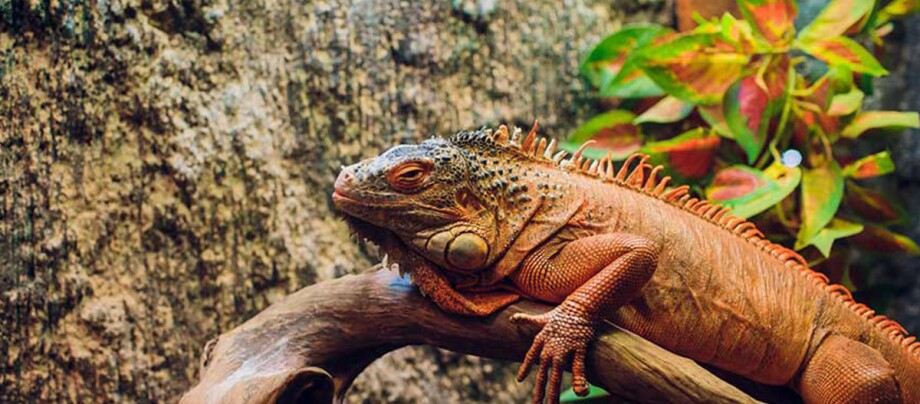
313, 343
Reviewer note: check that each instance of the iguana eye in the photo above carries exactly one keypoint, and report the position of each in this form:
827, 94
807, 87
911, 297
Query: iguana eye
411, 175
408, 176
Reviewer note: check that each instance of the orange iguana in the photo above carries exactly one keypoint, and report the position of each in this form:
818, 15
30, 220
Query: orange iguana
484, 218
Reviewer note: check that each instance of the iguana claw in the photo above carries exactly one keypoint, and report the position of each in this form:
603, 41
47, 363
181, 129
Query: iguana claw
565, 336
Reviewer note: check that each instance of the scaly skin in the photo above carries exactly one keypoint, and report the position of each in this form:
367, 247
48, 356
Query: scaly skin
485, 218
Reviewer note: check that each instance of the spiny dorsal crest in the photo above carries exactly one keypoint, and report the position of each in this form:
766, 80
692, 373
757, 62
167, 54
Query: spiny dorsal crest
640, 176
637, 174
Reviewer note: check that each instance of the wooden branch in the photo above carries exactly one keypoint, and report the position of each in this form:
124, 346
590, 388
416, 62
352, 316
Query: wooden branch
314, 343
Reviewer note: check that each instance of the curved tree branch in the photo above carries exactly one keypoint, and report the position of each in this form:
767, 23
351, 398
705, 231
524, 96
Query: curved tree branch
312, 344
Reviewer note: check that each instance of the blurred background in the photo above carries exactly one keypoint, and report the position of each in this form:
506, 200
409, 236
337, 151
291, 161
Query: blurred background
166, 168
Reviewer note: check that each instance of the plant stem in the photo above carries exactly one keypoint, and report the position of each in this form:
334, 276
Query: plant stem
783, 119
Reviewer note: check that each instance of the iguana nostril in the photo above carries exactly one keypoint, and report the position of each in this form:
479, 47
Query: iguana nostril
344, 180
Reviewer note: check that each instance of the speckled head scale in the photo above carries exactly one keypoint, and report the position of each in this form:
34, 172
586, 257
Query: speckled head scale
428, 195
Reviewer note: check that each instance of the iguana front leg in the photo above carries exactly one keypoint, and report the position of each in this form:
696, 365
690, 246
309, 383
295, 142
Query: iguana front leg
591, 277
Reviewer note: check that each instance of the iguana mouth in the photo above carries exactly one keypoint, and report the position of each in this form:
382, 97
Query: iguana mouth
343, 201
371, 210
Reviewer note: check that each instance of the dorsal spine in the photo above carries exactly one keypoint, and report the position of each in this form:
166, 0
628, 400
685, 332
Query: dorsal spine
636, 174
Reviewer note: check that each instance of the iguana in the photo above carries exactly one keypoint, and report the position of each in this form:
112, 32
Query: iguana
486, 217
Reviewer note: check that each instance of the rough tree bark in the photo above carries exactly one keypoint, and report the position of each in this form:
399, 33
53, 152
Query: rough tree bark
313, 343
165, 166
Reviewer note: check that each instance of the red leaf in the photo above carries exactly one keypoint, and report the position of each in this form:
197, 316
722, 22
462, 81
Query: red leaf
843, 51
835, 19
734, 183
695, 67
870, 166
668, 110
620, 140
748, 191
688, 156
872, 205
828, 124
614, 132
881, 240
753, 101
773, 18
749, 106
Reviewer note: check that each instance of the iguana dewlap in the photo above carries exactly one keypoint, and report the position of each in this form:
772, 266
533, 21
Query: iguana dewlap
484, 218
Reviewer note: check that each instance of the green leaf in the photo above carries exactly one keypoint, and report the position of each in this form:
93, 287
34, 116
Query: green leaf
696, 67
897, 9
631, 82
748, 110
625, 40
835, 19
880, 120
839, 79
595, 395
822, 191
714, 116
608, 59
846, 103
611, 68
610, 62
873, 205
687, 156
614, 133
843, 51
748, 191
836, 229
870, 166
740, 34
773, 18
668, 110
833, 95
878, 239
606, 120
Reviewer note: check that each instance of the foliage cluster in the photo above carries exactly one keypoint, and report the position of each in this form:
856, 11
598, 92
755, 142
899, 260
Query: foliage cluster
767, 118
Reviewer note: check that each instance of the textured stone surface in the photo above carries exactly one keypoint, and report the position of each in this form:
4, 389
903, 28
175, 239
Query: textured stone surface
904, 93
165, 167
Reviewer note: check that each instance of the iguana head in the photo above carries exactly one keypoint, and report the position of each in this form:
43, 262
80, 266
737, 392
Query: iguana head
474, 205
439, 197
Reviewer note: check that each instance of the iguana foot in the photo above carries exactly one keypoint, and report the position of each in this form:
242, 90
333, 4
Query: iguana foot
565, 336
